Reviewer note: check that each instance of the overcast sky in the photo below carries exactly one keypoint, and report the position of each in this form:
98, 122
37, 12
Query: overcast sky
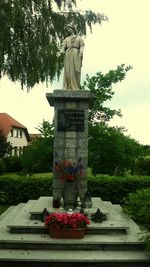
124, 39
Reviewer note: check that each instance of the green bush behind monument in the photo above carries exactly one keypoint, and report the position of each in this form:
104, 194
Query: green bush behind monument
110, 188
137, 205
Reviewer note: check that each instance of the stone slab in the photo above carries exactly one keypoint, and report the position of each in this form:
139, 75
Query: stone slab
113, 225
75, 256
60, 244
22, 223
4, 214
23, 213
93, 250
70, 95
92, 230
25, 222
46, 202
10, 214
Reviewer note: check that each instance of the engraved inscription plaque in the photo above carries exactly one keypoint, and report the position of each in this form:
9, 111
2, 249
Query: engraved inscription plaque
70, 120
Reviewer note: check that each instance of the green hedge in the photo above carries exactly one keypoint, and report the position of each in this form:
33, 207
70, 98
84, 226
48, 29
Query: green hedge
111, 188
116, 188
137, 206
22, 189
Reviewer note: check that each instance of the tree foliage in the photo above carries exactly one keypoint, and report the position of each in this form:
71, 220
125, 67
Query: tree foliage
100, 85
146, 149
110, 151
143, 166
38, 156
5, 146
30, 36
46, 129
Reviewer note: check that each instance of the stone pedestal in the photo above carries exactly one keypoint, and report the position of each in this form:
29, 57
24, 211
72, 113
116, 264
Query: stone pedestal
70, 136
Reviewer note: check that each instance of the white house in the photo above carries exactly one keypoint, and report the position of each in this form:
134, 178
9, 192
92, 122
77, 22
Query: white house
16, 133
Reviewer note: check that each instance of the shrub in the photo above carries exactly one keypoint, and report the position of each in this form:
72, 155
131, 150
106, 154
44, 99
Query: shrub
21, 189
142, 166
2, 166
146, 240
138, 207
116, 188
38, 156
3, 197
13, 164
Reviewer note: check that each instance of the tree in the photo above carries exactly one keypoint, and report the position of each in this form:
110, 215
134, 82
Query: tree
142, 165
5, 146
146, 149
38, 156
110, 151
30, 36
46, 129
101, 86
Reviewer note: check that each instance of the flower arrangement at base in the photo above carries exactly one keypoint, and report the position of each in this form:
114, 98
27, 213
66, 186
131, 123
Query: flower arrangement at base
68, 170
66, 225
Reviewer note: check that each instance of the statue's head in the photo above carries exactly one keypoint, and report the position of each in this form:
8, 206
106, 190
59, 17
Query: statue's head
72, 28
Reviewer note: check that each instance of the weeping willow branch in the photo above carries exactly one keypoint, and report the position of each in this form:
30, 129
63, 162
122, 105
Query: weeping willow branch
30, 36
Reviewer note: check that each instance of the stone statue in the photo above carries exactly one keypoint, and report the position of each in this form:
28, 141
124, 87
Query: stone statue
72, 48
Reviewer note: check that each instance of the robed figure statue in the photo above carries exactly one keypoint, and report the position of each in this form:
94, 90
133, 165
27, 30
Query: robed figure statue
72, 48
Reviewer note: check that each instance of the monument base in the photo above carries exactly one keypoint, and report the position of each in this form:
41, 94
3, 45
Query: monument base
71, 109
25, 241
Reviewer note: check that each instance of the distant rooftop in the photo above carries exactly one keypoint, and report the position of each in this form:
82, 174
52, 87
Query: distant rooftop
7, 122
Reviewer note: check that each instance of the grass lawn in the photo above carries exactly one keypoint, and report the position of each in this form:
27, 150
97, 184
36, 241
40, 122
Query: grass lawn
37, 175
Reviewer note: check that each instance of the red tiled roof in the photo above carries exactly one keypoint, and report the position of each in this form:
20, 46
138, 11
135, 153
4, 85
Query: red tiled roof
7, 122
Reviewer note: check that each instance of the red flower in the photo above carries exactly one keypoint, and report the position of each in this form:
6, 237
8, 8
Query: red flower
66, 220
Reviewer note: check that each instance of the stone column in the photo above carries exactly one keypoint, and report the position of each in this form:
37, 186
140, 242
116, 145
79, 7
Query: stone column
70, 138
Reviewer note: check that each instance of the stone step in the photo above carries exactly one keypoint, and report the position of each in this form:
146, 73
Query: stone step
38, 249
4, 214
56, 258
64, 244
10, 213
43, 237
39, 239
23, 212
46, 202
107, 227
115, 211
23, 224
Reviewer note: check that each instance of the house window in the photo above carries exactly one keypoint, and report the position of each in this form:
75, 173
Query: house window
16, 133
20, 134
11, 133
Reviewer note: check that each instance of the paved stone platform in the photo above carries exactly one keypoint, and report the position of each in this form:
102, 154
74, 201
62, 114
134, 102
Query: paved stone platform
114, 242
28, 219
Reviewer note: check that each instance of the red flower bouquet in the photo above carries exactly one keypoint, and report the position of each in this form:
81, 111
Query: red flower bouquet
58, 220
68, 170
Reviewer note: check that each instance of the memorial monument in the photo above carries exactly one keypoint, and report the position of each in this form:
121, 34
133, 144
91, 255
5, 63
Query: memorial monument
71, 107
112, 238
